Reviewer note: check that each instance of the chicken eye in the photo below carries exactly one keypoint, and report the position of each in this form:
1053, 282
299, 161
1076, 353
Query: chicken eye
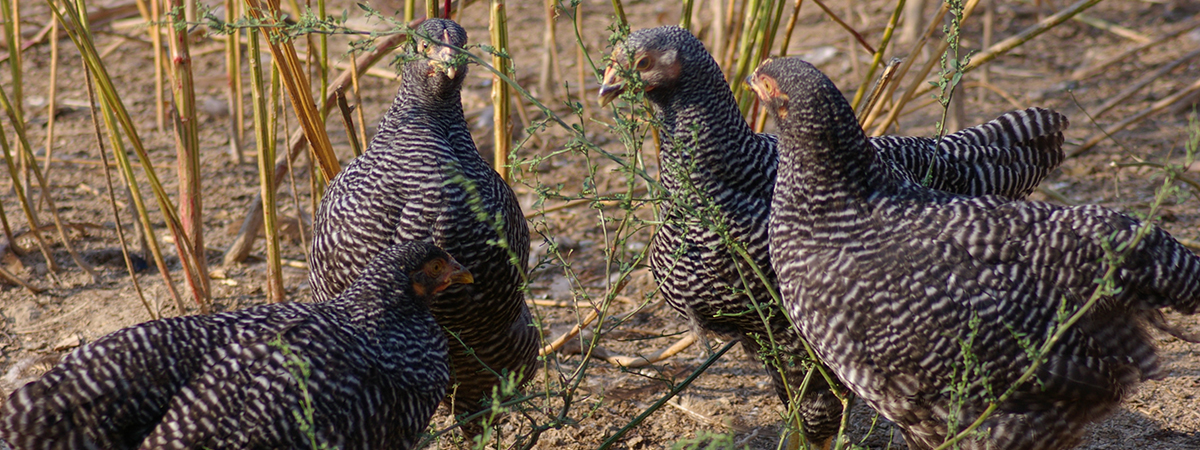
643, 63
435, 267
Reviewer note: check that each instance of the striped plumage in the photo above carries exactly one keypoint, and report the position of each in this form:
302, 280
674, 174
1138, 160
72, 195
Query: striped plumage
376, 360
902, 290
720, 175
422, 179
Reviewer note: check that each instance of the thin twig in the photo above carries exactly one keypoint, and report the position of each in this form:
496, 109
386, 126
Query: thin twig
675, 390
1088, 72
348, 122
858, 37
633, 362
1142, 82
1154, 108
1024, 36
112, 200
4, 273
252, 221
1113, 28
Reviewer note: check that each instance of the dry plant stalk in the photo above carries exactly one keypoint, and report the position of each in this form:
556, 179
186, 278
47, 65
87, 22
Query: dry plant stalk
233, 78
791, 26
30, 215
876, 59
1024, 36
18, 124
8, 234
187, 147
112, 201
857, 36
292, 70
919, 80
549, 72
252, 223
1142, 82
501, 101
1113, 28
634, 362
872, 114
1088, 72
116, 115
1154, 108
160, 113
51, 98
266, 155
10, 12
348, 122
885, 81
14, 279
362, 121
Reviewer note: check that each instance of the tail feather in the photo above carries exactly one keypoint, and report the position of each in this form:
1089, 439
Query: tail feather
1008, 156
1165, 273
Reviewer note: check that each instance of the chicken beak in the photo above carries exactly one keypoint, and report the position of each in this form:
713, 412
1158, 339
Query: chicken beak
612, 86
750, 84
459, 275
455, 274
443, 57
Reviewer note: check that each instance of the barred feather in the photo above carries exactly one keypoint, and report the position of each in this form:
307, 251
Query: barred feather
422, 179
376, 360
721, 175
905, 292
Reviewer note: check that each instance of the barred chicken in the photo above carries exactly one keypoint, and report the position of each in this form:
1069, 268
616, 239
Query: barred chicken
364, 370
720, 175
422, 179
930, 305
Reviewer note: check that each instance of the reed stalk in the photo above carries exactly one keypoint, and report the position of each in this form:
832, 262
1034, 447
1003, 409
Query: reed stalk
685, 16
18, 124
10, 12
252, 222
51, 98
160, 111
619, 10
112, 199
116, 115
323, 67
266, 167
30, 214
11, 15
296, 82
791, 26
8, 233
233, 78
501, 100
877, 57
187, 146
549, 69
348, 122
362, 121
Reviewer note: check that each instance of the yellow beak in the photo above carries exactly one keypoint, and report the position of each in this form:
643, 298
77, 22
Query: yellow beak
612, 85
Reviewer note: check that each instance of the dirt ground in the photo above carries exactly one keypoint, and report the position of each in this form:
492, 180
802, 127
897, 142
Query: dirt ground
733, 396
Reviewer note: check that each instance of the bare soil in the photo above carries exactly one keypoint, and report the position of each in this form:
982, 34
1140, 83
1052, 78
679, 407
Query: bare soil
734, 395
